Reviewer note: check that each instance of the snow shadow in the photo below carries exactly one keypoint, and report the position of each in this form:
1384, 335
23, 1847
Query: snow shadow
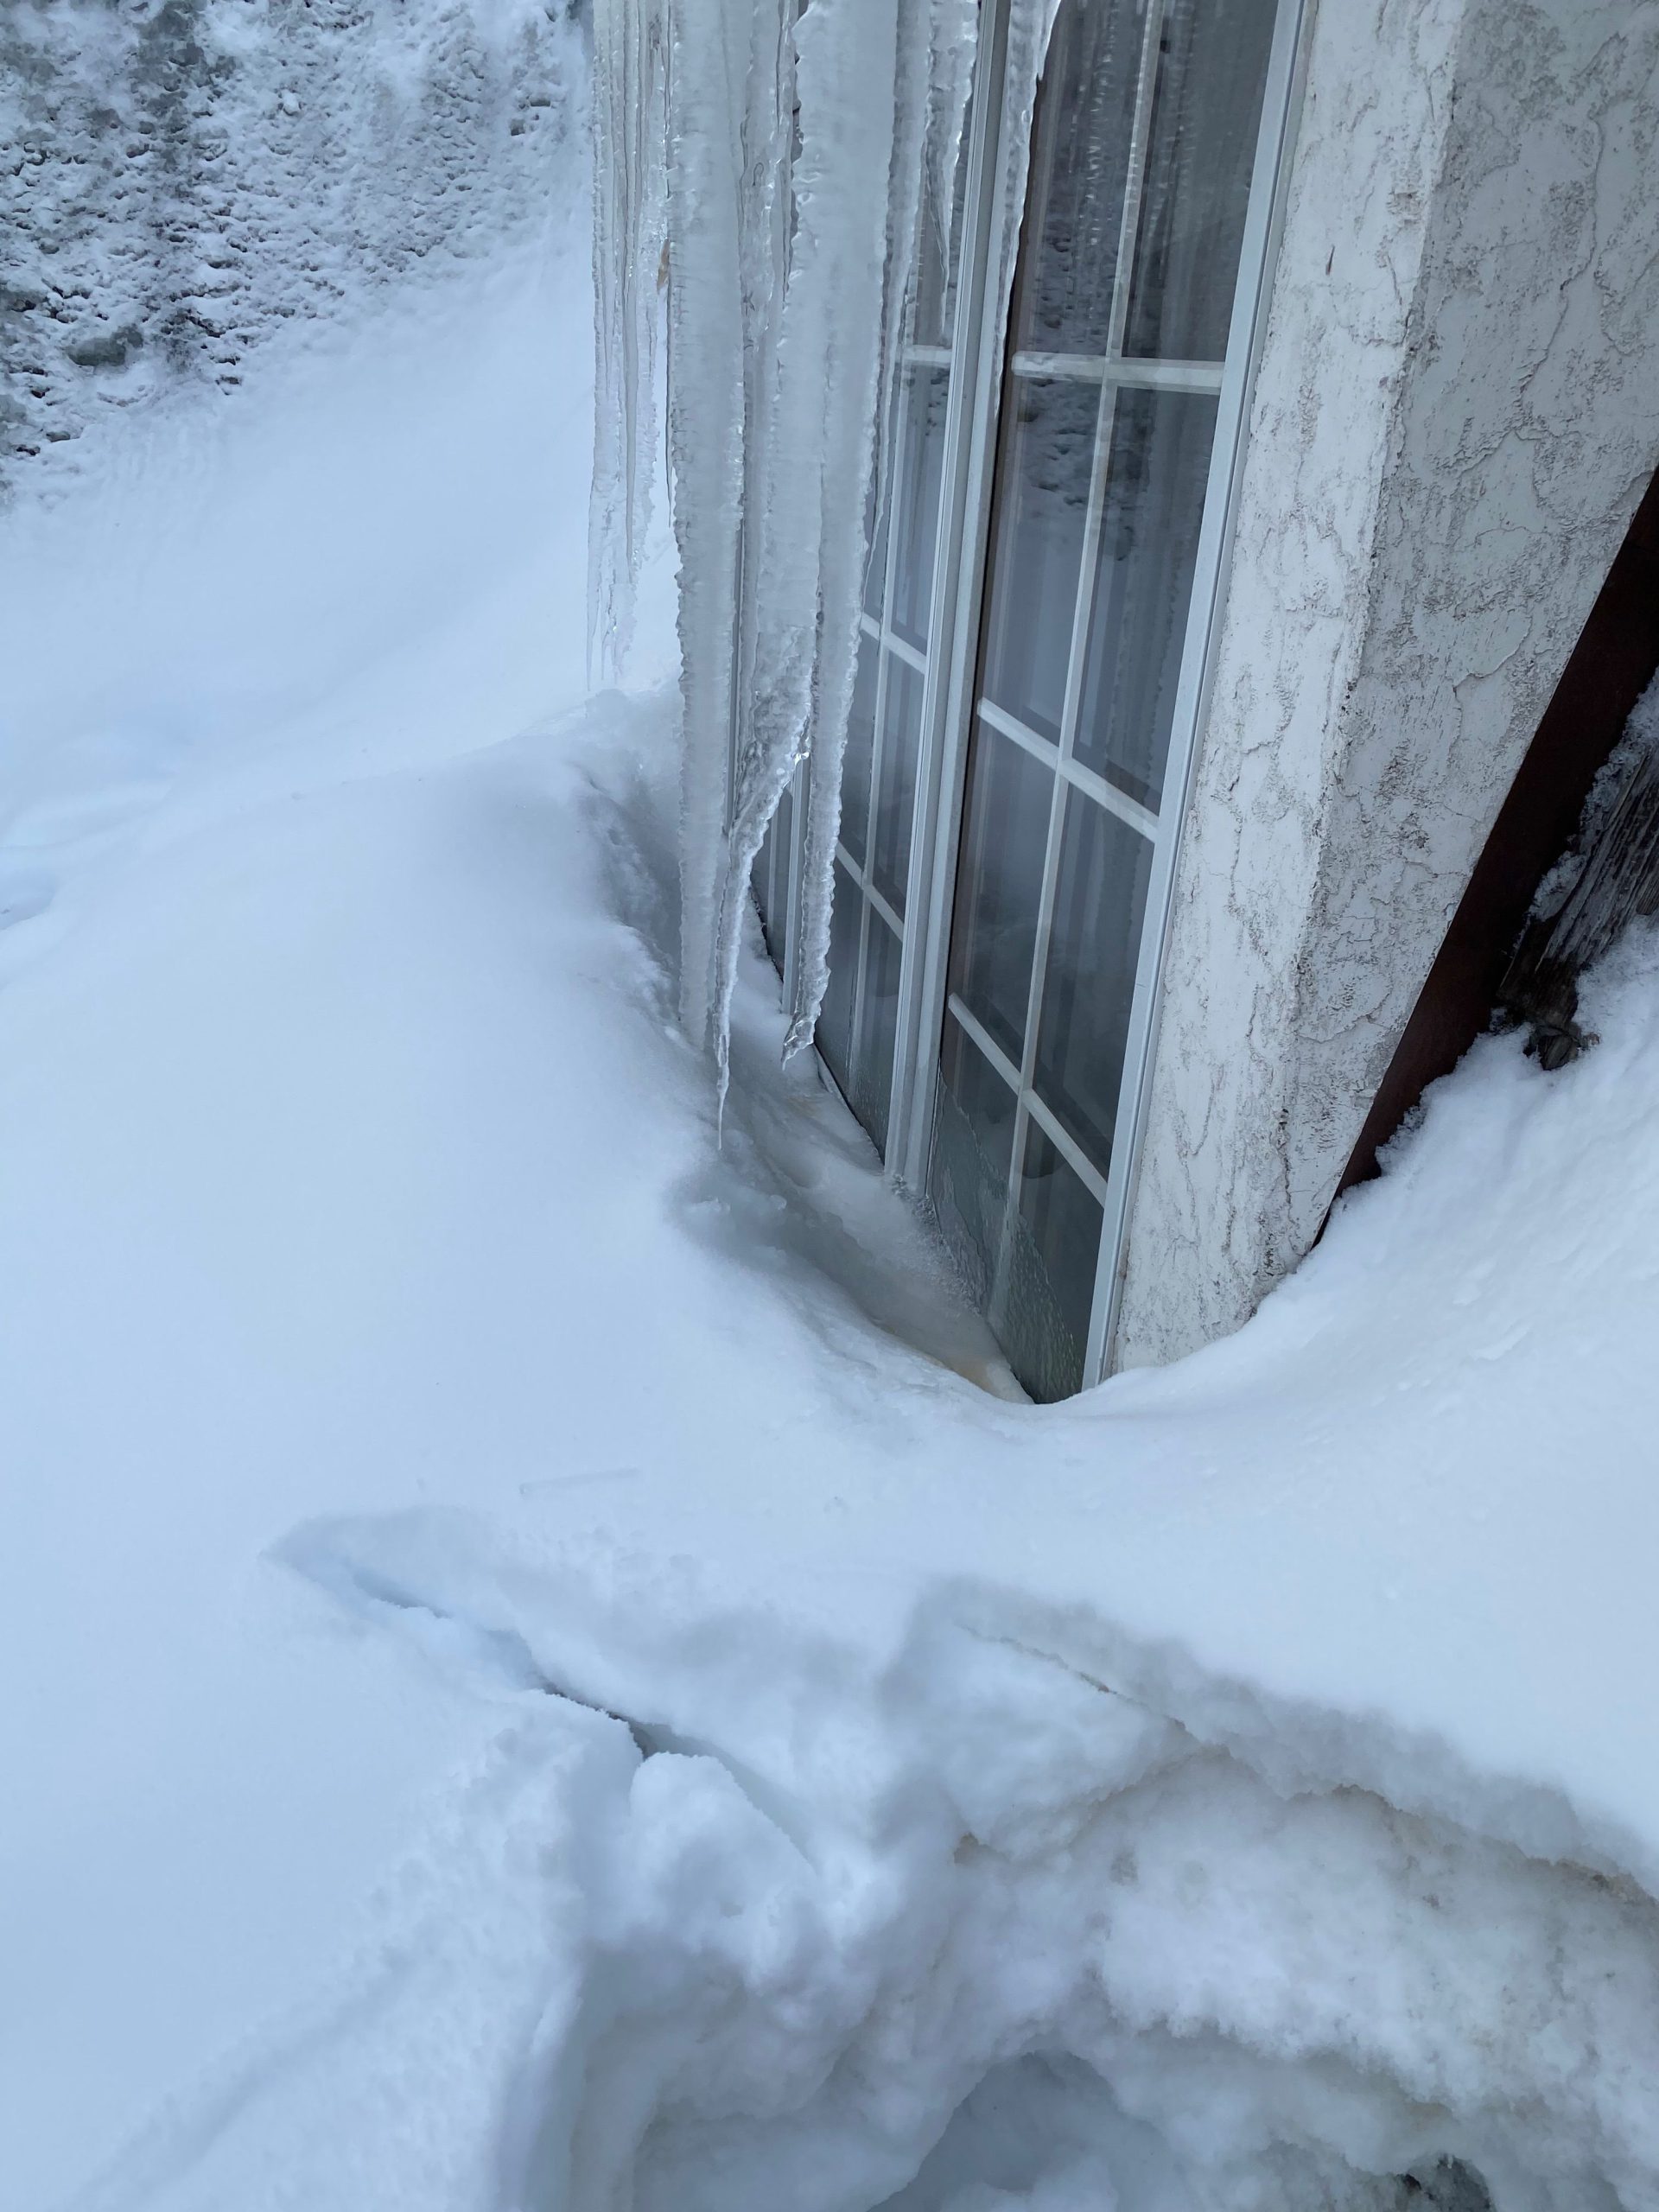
793, 1187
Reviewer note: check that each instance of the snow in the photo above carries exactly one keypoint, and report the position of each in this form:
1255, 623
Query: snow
540, 1670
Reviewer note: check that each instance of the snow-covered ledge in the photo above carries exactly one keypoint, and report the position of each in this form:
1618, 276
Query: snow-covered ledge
1456, 412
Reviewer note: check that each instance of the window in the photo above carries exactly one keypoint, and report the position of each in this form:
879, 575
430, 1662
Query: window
1040, 604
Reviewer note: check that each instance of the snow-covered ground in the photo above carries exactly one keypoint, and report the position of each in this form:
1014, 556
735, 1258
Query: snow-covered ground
536, 1673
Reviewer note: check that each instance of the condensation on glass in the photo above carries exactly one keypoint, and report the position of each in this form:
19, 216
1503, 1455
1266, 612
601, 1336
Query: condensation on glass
1123, 296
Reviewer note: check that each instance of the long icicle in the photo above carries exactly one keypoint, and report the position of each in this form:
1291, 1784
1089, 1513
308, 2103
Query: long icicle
782, 151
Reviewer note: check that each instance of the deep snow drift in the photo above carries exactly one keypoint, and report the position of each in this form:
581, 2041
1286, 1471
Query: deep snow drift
537, 1675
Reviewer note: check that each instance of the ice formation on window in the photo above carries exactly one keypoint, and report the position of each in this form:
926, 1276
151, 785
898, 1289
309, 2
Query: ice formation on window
768, 158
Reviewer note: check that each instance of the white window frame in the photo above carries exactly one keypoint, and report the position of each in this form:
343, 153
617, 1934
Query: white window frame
950, 663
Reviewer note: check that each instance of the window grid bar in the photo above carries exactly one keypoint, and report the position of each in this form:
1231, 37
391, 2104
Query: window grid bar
970, 1022
916, 356
1122, 369
890, 641
901, 649
867, 891
1077, 773
1044, 1116
957, 584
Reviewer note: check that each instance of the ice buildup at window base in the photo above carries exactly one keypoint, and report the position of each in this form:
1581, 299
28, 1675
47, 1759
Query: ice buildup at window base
756, 193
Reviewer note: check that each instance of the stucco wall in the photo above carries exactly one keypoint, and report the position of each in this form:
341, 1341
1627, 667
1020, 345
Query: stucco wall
1456, 412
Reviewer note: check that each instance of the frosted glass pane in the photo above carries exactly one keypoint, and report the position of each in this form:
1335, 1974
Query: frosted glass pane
1041, 508
993, 943
834, 1030
1051, 1272
972, 1149
875, 546
1074, 211
855, 761
770, 878
1212, 69
938, 257
1153, 509
895, 800
878, 1027
1100, 902
926, 396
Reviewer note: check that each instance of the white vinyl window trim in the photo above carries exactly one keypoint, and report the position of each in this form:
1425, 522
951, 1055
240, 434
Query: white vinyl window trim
949, 668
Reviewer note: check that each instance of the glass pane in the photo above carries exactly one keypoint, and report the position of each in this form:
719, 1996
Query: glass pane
1100, 901
1047, 452
875, 541
1051, 1275
938, 257
760, 878
1153, 508
835, 1031
1074, 208
999, 882
878, 1027
986, 1101
861, 749
1212, 68
926, 395
770, 880
973, 1140
895, 801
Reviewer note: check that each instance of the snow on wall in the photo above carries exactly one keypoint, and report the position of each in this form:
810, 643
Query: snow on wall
1457, 410
181, 179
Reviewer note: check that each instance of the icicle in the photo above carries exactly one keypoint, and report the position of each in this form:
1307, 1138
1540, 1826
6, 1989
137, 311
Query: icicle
815, 445
798, 141
1030, 24
630, 84
727, 139
933, 159
933, 79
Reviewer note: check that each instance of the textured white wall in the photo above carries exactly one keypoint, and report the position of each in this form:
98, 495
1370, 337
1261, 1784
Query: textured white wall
1457, 412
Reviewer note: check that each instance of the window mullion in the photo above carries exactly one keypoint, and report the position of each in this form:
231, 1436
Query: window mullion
953, 626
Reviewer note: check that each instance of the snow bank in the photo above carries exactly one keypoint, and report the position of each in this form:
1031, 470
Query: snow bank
880, 1796
255, 604
900, 1899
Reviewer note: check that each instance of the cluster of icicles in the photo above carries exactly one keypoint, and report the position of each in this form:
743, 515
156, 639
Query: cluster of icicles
760, 169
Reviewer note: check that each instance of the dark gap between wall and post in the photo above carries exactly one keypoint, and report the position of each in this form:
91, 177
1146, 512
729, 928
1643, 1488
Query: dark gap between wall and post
1496, 956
